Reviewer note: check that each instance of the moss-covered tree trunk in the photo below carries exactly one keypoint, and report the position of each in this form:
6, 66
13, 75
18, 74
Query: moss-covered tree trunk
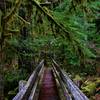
2, 28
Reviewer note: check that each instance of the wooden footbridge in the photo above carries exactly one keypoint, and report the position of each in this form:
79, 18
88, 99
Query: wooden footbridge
49, 83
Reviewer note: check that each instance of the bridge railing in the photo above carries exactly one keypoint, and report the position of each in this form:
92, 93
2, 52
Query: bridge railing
74, 90
24, 93
63, 93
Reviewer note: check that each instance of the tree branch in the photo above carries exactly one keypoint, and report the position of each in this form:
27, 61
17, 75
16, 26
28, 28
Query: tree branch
68, 34
13, 11
26, 22
12, 31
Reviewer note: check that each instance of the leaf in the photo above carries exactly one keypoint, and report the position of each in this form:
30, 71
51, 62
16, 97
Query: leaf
89, 88
11, 93
77, 77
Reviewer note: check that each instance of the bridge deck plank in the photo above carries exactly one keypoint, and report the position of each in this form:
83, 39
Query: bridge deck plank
48, 89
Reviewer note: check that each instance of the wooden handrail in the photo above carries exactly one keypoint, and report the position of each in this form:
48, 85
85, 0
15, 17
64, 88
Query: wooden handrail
26, 90
66, 94
36, 86
75, 91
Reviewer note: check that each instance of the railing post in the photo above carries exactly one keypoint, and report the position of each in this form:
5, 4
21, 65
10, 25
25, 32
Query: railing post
22, 83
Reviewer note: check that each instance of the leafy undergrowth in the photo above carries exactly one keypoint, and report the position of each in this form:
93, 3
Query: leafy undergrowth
90, 85
11, 80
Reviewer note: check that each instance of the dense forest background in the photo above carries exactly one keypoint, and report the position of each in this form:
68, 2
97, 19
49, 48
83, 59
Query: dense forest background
65, 30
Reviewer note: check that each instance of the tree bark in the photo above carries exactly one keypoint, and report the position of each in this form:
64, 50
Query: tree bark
1, 59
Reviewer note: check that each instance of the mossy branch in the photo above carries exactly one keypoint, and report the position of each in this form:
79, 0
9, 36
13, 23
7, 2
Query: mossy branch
12, 31
13, 11
50, 17
24, 21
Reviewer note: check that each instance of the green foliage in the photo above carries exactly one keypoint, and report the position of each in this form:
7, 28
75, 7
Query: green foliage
11, 80
77, 78
89, 88
76, 23
15, 76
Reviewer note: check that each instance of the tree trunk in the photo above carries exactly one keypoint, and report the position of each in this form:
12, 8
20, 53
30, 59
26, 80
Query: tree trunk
1, 57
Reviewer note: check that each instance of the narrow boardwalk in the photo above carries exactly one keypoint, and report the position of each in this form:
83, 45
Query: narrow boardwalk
48, 89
